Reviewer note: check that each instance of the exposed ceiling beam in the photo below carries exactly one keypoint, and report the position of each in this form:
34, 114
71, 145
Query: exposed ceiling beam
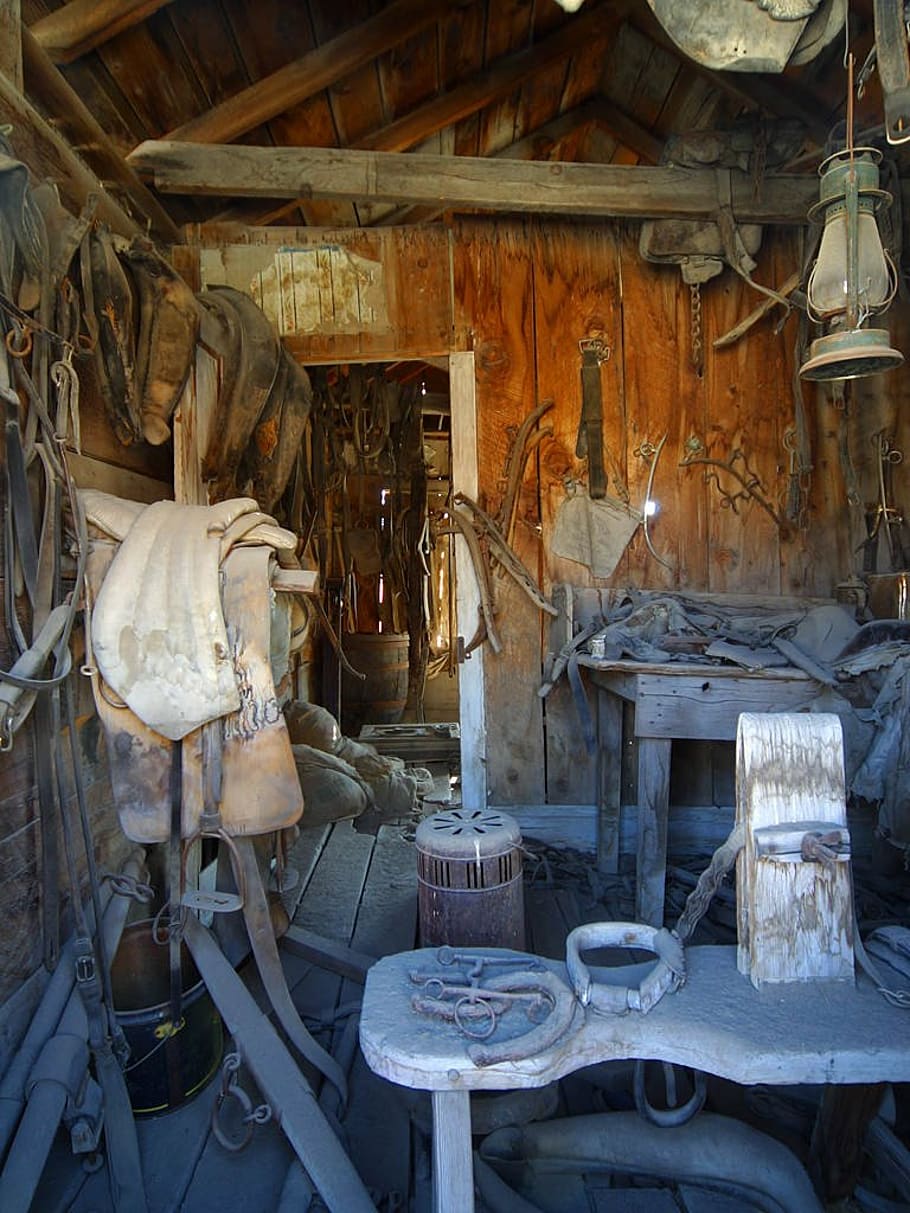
52, 91
456, 182
48, 154
312, 72
536, 145
495, 82
78, 27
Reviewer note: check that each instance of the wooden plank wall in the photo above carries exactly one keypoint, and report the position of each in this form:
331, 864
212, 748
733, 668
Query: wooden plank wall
522, 294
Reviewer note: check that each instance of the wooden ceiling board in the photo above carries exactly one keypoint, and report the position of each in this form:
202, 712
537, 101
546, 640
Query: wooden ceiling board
462, 43
98, 90
691, 105
583, 78
599, 146
510, 26
541, 98
210, 49
278, 35
356, 100
623, 68
409, 73
467, 136
150, 67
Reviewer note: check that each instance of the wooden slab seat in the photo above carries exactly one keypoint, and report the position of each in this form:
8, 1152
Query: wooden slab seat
801, 1032
671, 702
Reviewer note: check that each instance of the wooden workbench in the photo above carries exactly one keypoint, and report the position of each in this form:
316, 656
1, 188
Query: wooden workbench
673, 701
802, 1032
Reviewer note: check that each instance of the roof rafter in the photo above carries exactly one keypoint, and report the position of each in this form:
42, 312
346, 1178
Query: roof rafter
496, 81
311, 73
78, 27
47, 84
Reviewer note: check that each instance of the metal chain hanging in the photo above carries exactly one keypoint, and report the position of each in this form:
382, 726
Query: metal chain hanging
697, 351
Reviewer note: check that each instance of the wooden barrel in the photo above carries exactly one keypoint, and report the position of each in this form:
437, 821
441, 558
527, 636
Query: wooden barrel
381, 696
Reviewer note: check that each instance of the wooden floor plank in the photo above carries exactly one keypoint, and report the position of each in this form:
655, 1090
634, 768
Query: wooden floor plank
332, 895
377, 1121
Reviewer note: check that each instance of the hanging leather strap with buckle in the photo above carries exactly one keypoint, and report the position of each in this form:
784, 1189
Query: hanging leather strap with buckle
590, 443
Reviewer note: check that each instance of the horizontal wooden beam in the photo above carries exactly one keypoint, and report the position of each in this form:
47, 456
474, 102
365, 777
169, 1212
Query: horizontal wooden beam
47, 85
456, 182
78, 27
312, 72
536, 145
497, 81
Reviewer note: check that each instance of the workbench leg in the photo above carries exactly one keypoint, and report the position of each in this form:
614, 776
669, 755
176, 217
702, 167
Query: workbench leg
609, 780
653, 811
453, 1169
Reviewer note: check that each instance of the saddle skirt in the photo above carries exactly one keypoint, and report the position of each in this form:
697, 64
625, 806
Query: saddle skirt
182, 628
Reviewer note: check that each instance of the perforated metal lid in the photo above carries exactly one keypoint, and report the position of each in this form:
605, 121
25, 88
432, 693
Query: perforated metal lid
468, 834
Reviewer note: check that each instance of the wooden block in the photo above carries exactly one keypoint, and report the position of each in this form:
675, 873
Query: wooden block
295, 581
795, 916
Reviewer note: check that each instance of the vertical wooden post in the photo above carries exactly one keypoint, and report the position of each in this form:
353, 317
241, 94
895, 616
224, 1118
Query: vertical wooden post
453, 1169
653, 812
472, 710
609, 783
11, 42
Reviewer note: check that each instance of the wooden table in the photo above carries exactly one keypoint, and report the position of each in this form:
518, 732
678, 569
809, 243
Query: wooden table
672, 701
802, 1032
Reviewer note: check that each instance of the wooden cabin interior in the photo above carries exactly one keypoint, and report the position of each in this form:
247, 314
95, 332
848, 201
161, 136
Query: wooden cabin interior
429, 448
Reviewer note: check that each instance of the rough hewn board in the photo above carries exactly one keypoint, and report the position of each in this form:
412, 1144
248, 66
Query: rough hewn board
377, 1122
576, 297
10, 42
664, 396
460, 181
91, 473
653, 810
340, 55
748, 407
193, 419
795, 918
494, 294
143, 61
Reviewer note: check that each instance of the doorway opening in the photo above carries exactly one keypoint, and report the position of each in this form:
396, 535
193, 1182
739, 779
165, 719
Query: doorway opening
379, 531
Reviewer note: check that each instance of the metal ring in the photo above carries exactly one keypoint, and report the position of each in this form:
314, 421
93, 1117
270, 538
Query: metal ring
487, 1025
14, 349
671, 1116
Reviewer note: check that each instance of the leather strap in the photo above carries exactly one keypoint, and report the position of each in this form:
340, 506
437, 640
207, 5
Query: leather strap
585, 718
265, 952
590, 443
19, 499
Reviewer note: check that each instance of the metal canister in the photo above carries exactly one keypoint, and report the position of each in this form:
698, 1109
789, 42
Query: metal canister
469, 880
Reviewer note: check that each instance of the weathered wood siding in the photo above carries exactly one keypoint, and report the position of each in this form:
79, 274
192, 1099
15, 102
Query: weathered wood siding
522, 294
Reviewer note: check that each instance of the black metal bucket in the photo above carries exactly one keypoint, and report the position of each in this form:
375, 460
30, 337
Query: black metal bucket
165, 1067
